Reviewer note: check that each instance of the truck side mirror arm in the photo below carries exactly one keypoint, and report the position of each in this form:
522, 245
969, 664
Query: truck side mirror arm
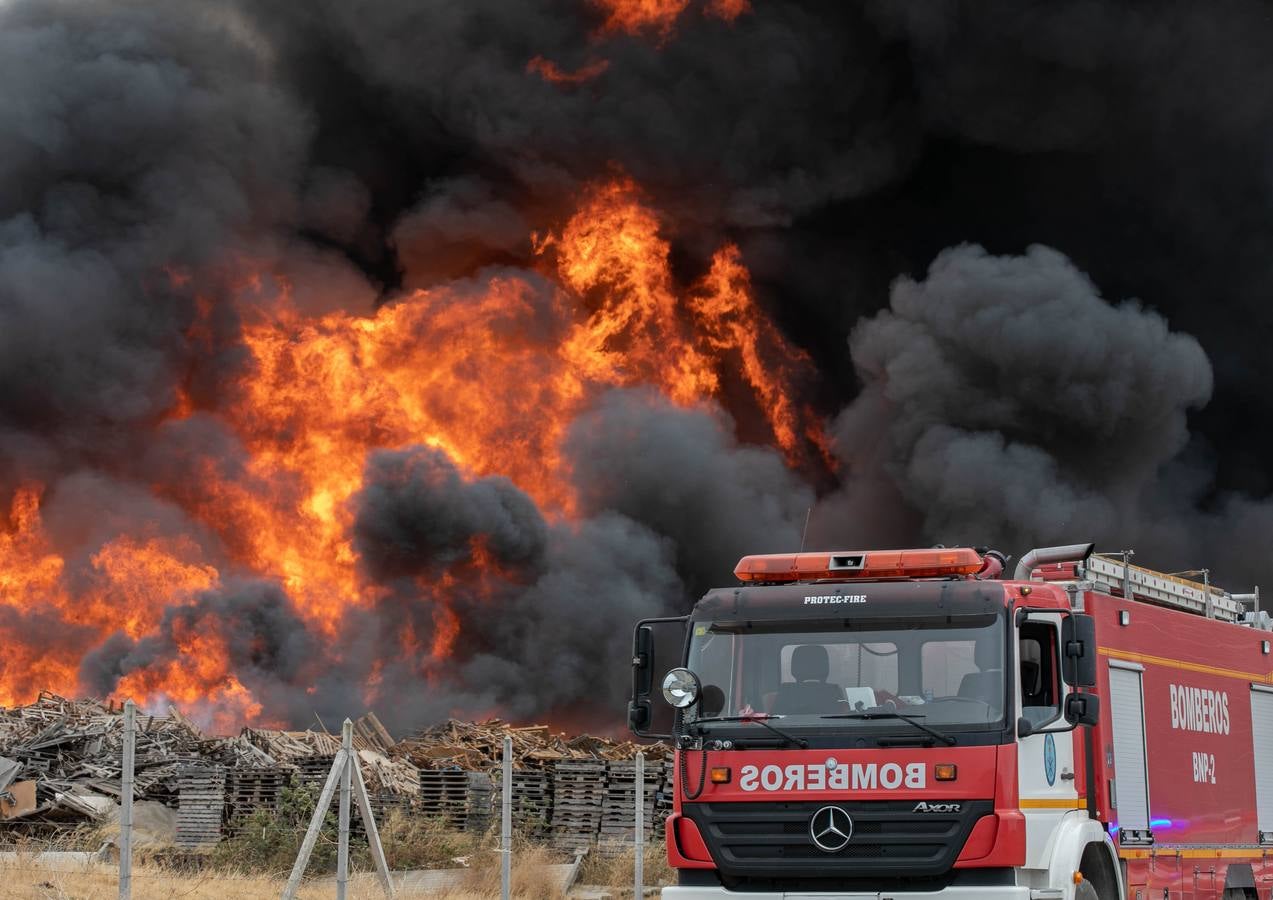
1082, 709
1079, 710
646, 665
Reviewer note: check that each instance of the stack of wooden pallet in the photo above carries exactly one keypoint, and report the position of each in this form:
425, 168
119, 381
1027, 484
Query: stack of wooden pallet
201, 804
483, 798
72, 750
444, 794
532, 801
248, 790
312, 771
618, 817
579, 792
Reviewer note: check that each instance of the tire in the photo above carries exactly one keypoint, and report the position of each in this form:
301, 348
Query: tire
1099, 879
1084, 891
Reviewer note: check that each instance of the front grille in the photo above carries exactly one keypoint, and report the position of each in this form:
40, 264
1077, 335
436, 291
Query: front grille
889, 838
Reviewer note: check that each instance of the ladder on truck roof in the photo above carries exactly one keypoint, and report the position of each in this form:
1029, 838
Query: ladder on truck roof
1115, 575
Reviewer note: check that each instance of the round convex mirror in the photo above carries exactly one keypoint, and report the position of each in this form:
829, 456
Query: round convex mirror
681, 688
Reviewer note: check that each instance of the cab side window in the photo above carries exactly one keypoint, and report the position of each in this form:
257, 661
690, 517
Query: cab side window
1040, 692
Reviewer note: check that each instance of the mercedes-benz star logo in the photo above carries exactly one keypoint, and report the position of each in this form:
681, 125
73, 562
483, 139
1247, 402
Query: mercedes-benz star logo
830, 828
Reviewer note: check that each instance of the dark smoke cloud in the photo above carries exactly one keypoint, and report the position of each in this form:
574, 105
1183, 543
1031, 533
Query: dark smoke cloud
1006, 402
416, 515
135, 139
682, 474
458, 227
538, 637
267, 644
736, 119
556, 647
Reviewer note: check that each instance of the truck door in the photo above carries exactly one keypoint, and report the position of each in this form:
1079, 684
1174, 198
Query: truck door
1131, 775
1262, 735
1045, 762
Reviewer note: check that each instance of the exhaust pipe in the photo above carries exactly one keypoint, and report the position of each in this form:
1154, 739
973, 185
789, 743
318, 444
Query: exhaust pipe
992, 565
1043, 556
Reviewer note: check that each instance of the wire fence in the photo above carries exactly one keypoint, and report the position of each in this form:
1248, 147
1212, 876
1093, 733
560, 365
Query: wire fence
345, 786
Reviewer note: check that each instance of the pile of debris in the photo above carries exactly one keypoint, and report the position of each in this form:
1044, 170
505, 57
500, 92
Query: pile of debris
60, 760
576, 792
479, 746
60, 765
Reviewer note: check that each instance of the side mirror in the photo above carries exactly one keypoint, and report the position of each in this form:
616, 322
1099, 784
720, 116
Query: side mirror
1078, 649
1025, 727
658, 645
1082, 709
638, 716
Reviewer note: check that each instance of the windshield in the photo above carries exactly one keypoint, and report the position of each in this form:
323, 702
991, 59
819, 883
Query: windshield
949, 675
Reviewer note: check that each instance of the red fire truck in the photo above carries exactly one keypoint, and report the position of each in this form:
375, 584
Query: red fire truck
892, 724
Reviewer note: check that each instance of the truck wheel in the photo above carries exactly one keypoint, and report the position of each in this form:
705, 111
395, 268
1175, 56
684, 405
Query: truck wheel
1084, 891
1099, 881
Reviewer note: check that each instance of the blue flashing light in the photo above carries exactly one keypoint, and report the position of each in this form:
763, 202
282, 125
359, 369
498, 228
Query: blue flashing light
1159, 824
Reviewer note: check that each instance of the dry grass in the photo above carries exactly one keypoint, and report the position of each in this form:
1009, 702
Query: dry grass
616, 871
29, 879
67, 877
531, 880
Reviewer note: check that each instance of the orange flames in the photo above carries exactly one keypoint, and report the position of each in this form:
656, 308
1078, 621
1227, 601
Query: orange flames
656, 18
491, 370
659, 16
554, 74
128, 584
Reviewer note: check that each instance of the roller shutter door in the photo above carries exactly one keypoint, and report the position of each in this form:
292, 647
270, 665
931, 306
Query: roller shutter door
1262, 734
1127, 718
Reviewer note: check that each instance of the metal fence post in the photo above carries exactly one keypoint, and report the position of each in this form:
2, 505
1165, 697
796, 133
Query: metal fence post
346, 780
373, 835
126, 802
506, 824
315, 825
638, 842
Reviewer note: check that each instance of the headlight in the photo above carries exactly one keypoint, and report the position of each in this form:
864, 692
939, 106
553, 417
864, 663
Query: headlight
681, 688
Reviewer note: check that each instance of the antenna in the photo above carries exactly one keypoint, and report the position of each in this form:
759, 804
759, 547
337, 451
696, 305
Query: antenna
805, 534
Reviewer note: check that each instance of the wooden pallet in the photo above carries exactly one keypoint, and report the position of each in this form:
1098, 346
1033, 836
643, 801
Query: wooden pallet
579, 791
201, 803
532, 801
444, 794
618, 816
247, 790
481, 798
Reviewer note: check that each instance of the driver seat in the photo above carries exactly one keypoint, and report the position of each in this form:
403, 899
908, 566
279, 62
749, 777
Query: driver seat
986, 685
810, 693
1032, 692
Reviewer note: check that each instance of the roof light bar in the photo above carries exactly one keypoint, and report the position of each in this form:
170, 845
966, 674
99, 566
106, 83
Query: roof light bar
858, 564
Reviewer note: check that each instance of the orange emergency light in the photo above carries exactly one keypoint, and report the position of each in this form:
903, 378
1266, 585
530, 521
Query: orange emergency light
858, 564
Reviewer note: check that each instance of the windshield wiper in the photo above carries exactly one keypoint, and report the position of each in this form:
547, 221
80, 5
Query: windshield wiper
889, 714
759, 720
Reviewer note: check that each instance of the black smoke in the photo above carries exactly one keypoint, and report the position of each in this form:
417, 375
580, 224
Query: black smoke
266, 644
1005, 400
541, 633
1098, 370
415, 513
683, 474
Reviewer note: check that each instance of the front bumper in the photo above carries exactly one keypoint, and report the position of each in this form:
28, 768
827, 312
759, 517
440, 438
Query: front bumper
970, 892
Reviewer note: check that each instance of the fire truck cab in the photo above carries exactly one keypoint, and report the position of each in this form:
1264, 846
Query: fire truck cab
893, 724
